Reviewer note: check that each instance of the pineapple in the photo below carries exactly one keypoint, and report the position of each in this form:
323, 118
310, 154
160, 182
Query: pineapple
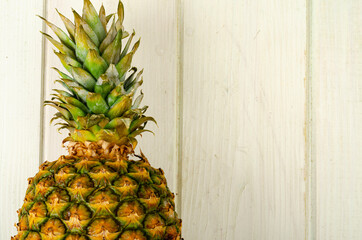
97, 192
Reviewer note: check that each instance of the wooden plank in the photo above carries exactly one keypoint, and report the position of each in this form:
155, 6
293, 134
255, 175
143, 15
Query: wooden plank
244, 117
337, 101
20, 103
155, 22
52, 139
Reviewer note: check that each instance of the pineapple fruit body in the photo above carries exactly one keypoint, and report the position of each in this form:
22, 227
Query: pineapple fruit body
106, 196
97, 192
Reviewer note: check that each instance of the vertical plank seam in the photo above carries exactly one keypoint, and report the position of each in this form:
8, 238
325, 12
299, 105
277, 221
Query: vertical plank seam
309, 125
42, 86
179, 101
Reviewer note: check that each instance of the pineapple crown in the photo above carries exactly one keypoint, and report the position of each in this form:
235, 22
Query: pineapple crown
99, 101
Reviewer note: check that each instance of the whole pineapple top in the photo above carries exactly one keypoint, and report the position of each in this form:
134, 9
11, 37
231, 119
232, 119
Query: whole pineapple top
99, 102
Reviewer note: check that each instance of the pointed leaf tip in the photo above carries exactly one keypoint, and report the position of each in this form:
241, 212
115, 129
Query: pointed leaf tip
109, 38
102, 17
68, 24
120, 106
60, 46
120, 12
95, 64
138, 122
112, 53
96, 103
79, 21
124, 64
83, 78
63, 37
90, 15
84, 43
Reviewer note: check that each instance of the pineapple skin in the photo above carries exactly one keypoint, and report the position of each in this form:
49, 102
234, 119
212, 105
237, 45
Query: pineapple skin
79, 197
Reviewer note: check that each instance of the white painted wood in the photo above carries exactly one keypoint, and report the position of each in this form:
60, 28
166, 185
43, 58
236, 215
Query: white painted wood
244, 117
155, 22
20, 100
243, 110
337, 100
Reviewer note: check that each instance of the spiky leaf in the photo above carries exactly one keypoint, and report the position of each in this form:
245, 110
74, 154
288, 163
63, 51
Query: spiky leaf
96, 103
90, 15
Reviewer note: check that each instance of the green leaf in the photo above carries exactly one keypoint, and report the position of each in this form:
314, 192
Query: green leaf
90, 15
62, 75
111, 35
95, 129
61, 47
112, 74
56, 97
120, 124
102, 17
108, 135
134, 86
83, 135
79, 21
68, 24
62, 126
138, 122
126, 47
73, 124
130, 81
90, 120
63, 111
116, 122
138, 101
124, 64
138, 132
135, 113
95, 64
75, 88
120, 12
130, 78
81, 93
63, 93
103, 86
136, 45
109, 16
120, 107
63, 37
84, 78
96, 103
125, 34
64, 85
115, 94
56, 116
67, 61
70, 83
84, 43
112, 52
75, 102
75, 111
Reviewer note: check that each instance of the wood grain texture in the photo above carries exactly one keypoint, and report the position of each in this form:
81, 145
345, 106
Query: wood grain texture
242, 109
244, 116
20, 101
155, 22
337, 100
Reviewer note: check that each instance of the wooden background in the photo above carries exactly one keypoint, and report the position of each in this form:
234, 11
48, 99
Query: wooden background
259, 105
